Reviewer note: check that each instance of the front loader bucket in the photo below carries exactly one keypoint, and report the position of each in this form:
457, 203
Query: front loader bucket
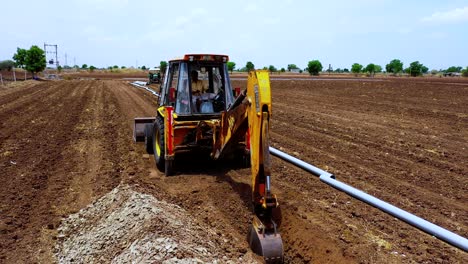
139, 127
267, 244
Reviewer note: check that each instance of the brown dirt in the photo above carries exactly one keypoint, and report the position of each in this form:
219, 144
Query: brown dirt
63, 144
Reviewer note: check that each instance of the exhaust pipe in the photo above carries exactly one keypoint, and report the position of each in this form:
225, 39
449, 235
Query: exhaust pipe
424, 225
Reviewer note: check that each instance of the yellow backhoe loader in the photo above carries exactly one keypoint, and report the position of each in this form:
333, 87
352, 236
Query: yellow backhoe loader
198, 111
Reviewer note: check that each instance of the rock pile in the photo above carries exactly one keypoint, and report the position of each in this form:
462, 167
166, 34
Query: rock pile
126, 226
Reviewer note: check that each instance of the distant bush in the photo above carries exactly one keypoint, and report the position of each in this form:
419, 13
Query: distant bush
454, 69
231, 66
465, 72
249, 66
416, 69
272, 69
395, 66
7, 65
314, 67
356, 68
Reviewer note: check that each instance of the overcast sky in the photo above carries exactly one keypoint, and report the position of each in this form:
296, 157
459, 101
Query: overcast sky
124, 32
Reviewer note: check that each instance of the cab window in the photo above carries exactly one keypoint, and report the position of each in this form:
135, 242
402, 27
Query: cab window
171, 85
183, 103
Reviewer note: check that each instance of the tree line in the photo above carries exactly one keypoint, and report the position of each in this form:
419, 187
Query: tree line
34, 61
394, 67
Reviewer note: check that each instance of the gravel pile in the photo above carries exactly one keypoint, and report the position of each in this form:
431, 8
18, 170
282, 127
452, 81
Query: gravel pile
126, 226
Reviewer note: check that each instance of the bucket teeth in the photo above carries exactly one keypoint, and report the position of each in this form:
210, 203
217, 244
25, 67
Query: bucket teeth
266, 242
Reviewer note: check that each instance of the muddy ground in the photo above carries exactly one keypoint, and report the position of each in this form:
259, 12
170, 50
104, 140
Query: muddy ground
65, 146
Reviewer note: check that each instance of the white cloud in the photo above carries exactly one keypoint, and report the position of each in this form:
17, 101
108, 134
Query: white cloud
455, 15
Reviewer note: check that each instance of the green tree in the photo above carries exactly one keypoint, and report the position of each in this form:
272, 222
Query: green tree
92, 68
20, 57
356, 68
424, 69
84, 66
123, 67
314, 67
265, 68
7, 65
143, 68
249, 66
272, 69
115, 67
76, 66
370, 68
163, 66
59, 68
35, 60
378, 68
231, 66
346, 70
465, 72
283, 70
454, 69
292, 67
416, 69
395, 66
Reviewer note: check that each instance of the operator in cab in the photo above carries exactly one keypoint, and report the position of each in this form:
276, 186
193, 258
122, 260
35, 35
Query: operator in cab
198, 86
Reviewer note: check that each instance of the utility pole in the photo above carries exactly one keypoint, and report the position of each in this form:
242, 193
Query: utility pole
54, 51
66, 60
14, 74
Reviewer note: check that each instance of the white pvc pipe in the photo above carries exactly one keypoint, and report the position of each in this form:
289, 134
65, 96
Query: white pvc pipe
141, 85
424, 225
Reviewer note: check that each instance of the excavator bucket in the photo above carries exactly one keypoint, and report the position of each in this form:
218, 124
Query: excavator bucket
266, 243
139, 125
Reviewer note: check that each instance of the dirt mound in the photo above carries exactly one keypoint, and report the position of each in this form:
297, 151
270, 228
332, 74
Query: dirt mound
127, 226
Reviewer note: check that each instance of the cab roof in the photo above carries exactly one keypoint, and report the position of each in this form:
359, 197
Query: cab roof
203, 57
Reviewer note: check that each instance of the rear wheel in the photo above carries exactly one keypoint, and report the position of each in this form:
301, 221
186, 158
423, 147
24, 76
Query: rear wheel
162, 164
149, 138
168, 170
158, 143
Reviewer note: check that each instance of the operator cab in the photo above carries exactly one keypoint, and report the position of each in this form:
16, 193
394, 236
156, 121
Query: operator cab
197, 85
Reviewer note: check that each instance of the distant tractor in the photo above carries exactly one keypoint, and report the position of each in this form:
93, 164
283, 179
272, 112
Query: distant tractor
154, 75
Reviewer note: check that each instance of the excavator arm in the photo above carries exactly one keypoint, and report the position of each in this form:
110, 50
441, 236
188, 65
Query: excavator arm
250, 114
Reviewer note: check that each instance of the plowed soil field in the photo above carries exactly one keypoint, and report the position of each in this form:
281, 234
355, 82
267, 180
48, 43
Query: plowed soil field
66, 144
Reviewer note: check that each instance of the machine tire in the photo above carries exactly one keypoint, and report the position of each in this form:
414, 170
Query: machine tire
168, 170
149, 138
158, 143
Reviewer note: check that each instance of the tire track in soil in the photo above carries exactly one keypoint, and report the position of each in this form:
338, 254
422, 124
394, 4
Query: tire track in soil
36, 154
220, 197
69, 158
201, 187
324, 139
320, 224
